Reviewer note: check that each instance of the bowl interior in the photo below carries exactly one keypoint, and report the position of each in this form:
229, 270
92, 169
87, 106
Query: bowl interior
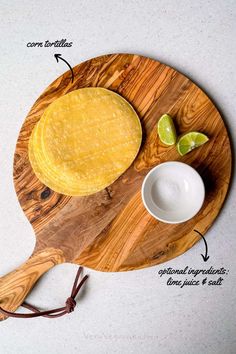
173, 192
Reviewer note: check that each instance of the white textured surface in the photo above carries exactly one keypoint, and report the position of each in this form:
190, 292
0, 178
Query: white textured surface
131, 312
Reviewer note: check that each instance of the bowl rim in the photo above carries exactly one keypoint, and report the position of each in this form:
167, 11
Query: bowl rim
172, 163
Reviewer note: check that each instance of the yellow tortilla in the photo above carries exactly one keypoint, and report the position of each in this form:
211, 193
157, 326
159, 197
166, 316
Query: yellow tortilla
84, 141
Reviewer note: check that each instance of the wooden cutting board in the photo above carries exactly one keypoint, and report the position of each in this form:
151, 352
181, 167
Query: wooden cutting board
111, 230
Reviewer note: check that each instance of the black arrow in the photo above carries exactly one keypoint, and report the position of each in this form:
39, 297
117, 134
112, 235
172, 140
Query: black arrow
206, 257
58, 56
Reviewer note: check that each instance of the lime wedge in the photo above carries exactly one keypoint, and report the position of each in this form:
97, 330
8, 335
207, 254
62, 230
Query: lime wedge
190, 141
166, 130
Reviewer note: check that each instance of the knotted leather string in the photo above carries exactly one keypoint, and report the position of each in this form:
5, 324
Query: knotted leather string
61, 311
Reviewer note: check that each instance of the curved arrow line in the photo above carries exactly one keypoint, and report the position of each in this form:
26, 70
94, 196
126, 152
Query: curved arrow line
58, 56
206, 257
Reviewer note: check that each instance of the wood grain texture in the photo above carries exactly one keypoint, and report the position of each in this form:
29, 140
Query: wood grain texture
111, 230
15, 286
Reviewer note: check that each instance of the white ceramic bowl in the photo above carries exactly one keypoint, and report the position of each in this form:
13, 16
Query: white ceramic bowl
173, 192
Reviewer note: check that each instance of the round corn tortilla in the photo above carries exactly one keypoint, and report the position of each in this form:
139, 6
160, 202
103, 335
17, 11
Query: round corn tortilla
84, 141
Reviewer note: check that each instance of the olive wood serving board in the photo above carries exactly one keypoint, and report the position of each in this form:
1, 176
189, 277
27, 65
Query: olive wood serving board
111, 230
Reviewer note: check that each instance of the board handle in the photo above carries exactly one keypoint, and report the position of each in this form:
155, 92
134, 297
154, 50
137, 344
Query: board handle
15, 286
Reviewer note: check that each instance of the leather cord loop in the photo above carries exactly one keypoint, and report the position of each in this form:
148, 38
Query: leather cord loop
54, 313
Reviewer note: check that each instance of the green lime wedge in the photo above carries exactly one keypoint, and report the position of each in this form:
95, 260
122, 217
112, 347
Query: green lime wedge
190, 141
166, 130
